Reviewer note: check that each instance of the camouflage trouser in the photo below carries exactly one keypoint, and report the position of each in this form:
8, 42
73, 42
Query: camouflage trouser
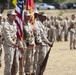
54, 35
29, 60
8, 58
72, 40
22, 61
65, 35
36, 58
58, 35
42, 54
50, 35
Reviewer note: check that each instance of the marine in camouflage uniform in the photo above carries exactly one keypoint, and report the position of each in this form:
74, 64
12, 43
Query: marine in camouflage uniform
57, 25
62, 25
58, 29
72, 30
38, 41
55, 28
10, 44
52, 30
65, 28
30, 44
43, 47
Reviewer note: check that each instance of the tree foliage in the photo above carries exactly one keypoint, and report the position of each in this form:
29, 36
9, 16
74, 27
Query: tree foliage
38, 0
3, 1
48, 1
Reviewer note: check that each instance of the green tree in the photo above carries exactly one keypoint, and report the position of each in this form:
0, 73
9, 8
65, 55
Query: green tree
2, 5
57, 0
48, 1
3, 1
38, 0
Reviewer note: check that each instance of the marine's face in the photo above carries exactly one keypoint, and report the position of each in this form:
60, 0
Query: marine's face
26, 18
40, 17
36, 15
73, 17
43, 18
12, 17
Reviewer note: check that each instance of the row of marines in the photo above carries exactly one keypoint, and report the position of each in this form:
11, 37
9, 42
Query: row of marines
60, 27
34, 47
37, 40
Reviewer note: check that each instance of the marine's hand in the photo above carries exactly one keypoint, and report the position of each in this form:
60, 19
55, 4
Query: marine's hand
50, 44
15, 45
21, 50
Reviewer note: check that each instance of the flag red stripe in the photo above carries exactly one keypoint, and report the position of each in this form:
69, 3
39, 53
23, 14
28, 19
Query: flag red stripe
19, 19
18, 15
19, 27
19, 37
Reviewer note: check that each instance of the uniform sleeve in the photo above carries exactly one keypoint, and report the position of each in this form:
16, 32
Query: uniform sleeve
44, 39
7, 36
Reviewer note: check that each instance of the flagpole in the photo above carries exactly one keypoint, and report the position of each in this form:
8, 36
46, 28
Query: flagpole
30, 8
21, 62
22, 58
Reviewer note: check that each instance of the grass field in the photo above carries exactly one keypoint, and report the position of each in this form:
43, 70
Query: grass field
63, 13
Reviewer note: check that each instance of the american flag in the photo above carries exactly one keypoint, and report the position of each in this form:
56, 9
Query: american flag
20, 18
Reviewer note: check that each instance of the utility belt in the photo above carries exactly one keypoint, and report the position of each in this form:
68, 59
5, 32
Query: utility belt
29, 41
5, 42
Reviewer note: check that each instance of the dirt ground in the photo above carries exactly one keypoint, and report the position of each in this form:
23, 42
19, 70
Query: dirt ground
62, 60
